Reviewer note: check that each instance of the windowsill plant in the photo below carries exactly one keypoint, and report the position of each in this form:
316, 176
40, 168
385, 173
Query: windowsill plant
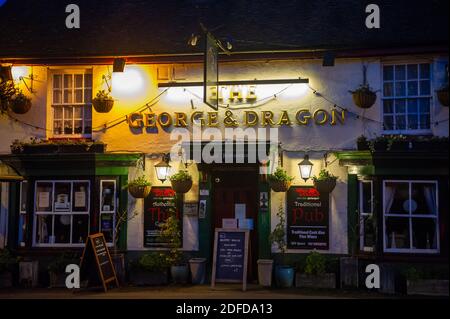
54, 146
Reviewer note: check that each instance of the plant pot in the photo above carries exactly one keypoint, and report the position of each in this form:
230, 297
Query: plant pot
20, 106
265, 268
279, 186
364, 98
429, 287
180, 274
442, 95
325, 186
181, 187
323, 281
57, 279
139, 277
102, 106
349, 274
284, 276
6, 279
119, 266
198, 270
139, 191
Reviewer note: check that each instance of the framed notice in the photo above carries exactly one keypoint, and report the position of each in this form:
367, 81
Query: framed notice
230, 259
190, 209
307, 219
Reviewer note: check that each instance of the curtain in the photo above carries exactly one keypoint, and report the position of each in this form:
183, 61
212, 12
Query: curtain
389, 195
429, 192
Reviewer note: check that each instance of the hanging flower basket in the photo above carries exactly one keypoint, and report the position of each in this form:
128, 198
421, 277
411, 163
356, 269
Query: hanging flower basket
181, 182
20, 104
103, 102
279, 186
363, 97
325, 182
139, 191
442, 95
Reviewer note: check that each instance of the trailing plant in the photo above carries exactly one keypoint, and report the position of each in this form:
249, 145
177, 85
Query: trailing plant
170, 233
7, 261
324, 175
315, 264
19, 97
103, 95
280, 175
278, 235
181, 176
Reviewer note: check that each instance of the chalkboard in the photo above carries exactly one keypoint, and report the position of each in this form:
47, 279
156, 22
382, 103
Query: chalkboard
230, 258
96, 255
307, 218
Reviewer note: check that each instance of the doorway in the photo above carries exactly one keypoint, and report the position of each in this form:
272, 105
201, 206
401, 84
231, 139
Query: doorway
237, 186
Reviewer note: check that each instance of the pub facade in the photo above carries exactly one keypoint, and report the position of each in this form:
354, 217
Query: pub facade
66, 166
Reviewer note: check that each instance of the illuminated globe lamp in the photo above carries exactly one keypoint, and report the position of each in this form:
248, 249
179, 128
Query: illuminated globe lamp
305, 167
162, 169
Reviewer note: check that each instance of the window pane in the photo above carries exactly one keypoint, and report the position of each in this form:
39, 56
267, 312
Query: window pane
88, 80
425, 122
388, 73
68, 81
68, 112
424, 233
413, 121
88, 96
44, 197
58, 113
425, 71
412, 106
78, 80
62, 197
57, 127
79, 96
400, 89
396, 198
388, 89
81, 197
68, 127
424, 105
107, 226
78, 112
424, 199
107, 201
388, 122
62, 228
413, 88
425, 87
80, 229
67, 96
397, 233
400, 72
400, 122
23, 196
400, 106
57, 95
44, 228
57, 81
412, 71
388, 106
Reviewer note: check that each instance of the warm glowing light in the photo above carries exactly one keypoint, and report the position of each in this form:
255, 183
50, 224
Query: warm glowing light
183, 95
128, 83
288, 91
20, 71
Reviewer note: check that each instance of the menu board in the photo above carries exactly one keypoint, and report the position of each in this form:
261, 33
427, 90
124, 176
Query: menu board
307, 219
96, 255
157, 208
230, 256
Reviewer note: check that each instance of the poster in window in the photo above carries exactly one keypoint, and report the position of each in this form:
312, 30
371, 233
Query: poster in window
43, 199
157, 207
80, 199
307, 219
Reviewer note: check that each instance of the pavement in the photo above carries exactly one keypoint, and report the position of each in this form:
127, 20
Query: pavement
221, 291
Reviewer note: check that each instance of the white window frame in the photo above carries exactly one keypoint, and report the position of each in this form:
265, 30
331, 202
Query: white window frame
72, 105
362, 214
37, 213
430, 96
410, 218
22, 213
113, 212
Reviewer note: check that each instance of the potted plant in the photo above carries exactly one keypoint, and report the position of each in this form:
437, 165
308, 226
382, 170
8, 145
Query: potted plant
398, 143
103, 102
171, 234
150, 269
364, 97
284, 274
7, 90
57, 269
362, 143
20, 103
442, 95
139, 187
280, 181
181, 182
325, 182
425, 283
7, 264
315, 275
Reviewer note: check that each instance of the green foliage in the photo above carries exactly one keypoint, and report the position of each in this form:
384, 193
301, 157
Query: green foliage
278, 235
7, 261
324, 175
103, 95
171, 234
181, 176
362, 139
58, 265
364, 88
140, 181
7, 90
152, 262
19, 97
315, 264
280, 175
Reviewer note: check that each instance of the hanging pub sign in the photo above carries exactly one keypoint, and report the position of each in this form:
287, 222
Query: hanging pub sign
307, 218
211, 72
157, 207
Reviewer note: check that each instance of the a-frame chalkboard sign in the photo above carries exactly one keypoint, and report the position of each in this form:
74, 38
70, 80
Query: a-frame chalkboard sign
96, 255
230, 257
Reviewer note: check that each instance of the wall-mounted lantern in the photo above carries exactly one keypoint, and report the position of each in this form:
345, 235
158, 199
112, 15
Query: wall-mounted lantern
162, 168
305, 167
